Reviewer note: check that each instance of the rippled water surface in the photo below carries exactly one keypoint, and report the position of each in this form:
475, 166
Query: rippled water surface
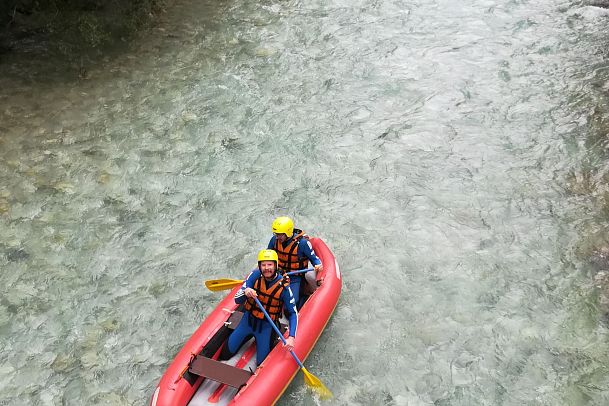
428, 143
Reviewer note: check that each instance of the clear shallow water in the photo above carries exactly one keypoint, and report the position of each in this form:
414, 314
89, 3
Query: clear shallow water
429, 143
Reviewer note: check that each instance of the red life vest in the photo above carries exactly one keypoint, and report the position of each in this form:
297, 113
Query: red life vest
269, 297
288, 255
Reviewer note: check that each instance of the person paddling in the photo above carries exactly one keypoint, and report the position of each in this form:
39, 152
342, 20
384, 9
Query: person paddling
294, 252
273, 290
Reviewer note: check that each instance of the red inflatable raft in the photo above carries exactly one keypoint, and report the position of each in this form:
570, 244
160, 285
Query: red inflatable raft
195, 377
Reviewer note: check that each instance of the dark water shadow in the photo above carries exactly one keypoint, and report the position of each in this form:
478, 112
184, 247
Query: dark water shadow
34, 54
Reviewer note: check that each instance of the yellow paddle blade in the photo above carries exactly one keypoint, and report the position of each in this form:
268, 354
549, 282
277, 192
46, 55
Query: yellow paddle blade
216, 285
314, 383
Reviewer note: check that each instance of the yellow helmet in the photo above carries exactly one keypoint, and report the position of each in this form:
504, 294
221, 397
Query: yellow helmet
268, 255
283, 225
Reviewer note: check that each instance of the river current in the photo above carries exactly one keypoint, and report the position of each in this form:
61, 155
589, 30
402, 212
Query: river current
434, 146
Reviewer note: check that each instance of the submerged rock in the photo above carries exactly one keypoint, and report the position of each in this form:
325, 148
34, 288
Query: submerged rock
64, 187
265, 52
110, 325
4, 206
16, 255
63, 363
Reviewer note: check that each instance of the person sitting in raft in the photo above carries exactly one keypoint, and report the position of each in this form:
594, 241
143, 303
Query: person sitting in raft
294, 251
273, 290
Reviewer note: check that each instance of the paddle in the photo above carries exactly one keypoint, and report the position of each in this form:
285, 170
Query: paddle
311, 380
216, 285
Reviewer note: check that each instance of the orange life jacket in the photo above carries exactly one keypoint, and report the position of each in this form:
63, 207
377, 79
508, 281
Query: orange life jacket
269, 297
288, 255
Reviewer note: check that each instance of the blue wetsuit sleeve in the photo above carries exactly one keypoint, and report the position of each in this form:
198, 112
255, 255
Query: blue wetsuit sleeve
290, 307
305, 249
271, 243
248, 283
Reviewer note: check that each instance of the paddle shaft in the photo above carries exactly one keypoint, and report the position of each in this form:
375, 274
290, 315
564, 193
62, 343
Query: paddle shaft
300, 271
277, 330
